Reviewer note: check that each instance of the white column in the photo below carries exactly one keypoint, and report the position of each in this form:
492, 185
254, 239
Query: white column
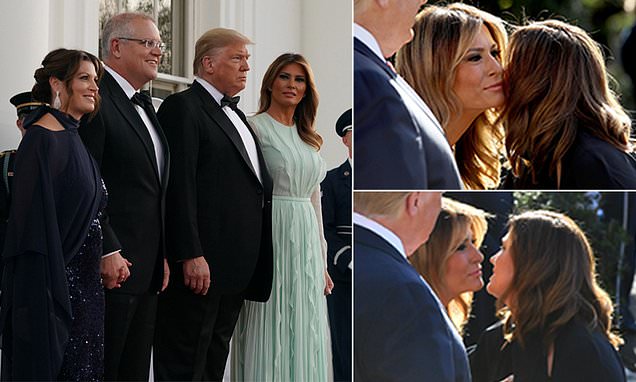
327, 44
29, 29
24, 27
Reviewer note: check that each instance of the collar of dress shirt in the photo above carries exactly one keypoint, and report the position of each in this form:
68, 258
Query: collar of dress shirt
367, 39
380, 230
217, 95
123, 83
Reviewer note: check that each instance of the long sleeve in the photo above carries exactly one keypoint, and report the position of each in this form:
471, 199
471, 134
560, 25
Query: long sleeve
315, 202
182, 229
93, 133
338, 243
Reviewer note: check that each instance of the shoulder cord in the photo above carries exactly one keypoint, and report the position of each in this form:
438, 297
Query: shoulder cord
5, 172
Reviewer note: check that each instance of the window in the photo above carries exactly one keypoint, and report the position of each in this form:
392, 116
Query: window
169, 16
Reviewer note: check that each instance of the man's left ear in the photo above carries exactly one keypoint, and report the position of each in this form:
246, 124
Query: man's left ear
208, 64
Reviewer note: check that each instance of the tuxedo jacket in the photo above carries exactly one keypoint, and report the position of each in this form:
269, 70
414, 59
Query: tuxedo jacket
133, 221
399, 143
400, 331
336, 217
216, 205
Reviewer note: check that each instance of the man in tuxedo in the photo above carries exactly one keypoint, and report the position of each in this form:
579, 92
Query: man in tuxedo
399, 142
219, 214
127, 142
401, 331
336, 217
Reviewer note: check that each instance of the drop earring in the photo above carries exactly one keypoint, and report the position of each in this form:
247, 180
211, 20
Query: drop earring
56, 102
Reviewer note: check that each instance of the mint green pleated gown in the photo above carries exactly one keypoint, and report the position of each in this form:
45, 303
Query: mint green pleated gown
286, 338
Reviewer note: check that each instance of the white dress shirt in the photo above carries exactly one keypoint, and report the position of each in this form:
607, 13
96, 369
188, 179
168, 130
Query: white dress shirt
246, 136
152, 130
367, 39
381, 231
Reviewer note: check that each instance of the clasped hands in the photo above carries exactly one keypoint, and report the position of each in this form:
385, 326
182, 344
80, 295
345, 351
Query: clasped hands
114, 270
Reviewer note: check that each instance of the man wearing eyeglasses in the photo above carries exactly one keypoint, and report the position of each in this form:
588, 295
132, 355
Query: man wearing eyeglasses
126, 140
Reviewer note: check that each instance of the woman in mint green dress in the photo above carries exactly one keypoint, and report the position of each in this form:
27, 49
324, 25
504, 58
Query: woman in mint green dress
286, 338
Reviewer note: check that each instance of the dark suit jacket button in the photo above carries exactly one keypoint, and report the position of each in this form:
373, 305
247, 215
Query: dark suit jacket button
259, 191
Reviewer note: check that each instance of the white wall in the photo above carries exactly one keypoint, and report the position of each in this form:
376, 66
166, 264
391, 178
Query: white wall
29, 29
326, 42
24, 30
318, 29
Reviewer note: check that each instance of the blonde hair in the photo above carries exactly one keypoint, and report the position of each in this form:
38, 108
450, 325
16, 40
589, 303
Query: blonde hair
431, 257
557, 84
429, 64
211, 43
554, 279
378, 203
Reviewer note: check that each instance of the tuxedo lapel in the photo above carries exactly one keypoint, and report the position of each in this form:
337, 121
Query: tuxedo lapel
128, 111
215, 112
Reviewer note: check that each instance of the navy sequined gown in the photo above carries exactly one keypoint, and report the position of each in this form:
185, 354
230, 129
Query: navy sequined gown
52, 301
84, 354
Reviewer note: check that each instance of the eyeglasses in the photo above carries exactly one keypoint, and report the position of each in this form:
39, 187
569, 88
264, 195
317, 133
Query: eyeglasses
150, 44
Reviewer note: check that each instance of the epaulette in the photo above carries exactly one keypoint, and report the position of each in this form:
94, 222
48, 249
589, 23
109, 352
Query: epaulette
7, 152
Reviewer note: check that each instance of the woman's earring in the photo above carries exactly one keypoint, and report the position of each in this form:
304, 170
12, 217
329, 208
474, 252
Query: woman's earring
56, 102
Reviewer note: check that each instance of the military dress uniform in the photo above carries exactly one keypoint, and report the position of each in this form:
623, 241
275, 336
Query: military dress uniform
24, 104
336, 214
7, 158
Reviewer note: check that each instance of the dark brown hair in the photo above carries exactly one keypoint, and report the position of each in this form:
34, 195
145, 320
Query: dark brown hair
554, 279
557, 84
62, 64
305, 112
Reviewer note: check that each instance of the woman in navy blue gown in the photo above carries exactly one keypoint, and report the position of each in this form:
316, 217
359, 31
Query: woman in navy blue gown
52, 300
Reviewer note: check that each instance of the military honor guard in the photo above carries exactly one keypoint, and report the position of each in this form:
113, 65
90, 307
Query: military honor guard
336, 213
24, 104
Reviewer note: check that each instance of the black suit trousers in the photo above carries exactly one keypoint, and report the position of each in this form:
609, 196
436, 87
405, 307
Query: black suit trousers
193, 333
128, 333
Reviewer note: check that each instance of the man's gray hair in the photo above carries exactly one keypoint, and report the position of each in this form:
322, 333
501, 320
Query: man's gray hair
120, 26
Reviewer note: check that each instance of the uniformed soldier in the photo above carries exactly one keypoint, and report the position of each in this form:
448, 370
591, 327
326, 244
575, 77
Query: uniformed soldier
336, 214
24, 104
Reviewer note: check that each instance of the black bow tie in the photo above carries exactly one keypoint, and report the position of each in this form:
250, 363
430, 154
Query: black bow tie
232, 102
142, 99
